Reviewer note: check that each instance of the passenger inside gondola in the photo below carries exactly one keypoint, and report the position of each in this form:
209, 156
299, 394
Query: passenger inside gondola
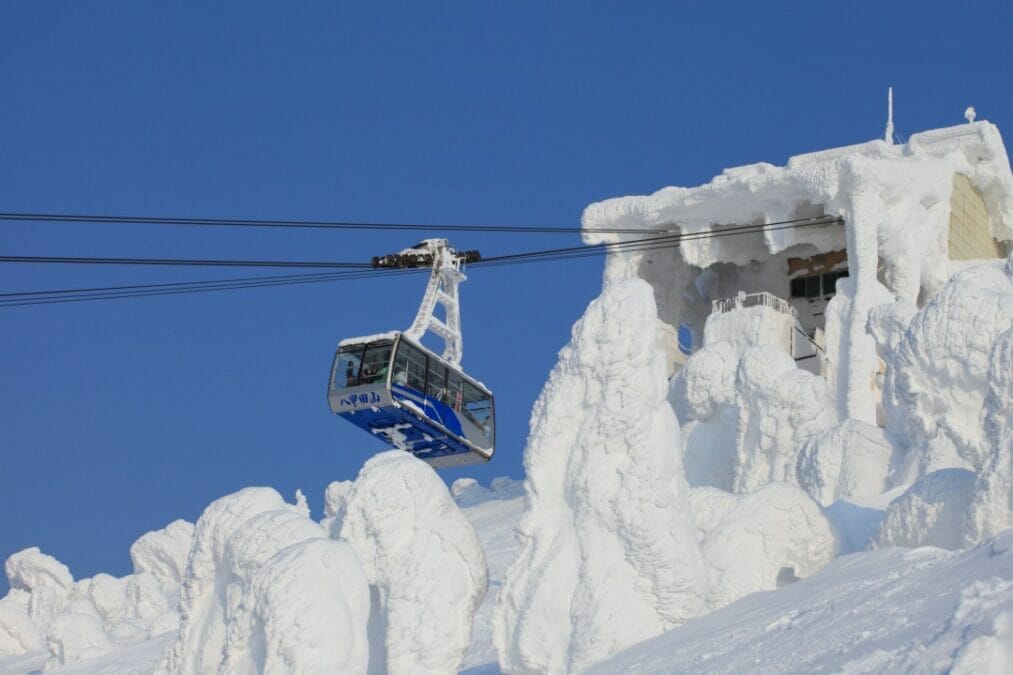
410, 367
349, 363
374, 364
394, 383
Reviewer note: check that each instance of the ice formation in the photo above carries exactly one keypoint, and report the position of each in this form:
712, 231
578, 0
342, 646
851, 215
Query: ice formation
32, 570
949, 374
18, 633
991, 509
704, 398
747, 417
76, 636
422, 559
163, 553
847, 461
258, 572
940, 370
749, 327
46, 610
780, 406
608, 553
931, 512
760, 541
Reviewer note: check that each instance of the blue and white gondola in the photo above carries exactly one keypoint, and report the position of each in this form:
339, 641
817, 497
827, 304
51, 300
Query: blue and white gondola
401, 392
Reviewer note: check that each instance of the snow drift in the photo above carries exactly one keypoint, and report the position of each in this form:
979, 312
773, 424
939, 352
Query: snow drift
867, 613
606, 532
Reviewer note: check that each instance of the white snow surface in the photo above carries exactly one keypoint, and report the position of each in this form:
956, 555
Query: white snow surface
608, 552
760, 541
889, 611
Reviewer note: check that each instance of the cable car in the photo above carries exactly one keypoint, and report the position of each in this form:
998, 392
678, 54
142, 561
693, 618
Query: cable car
413, 399
394, 387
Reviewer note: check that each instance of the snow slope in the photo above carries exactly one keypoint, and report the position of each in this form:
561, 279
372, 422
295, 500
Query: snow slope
889, 611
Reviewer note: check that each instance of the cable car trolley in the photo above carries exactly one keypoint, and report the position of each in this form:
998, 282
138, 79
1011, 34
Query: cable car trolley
394, 387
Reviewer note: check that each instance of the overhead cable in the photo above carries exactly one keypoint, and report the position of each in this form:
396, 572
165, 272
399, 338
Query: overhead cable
180, 262
357, 270
299, 224
146, 290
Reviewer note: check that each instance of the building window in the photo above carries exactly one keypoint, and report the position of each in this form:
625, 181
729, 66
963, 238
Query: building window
816, 285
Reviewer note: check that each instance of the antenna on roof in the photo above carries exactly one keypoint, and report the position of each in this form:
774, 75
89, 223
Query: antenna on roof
888, 134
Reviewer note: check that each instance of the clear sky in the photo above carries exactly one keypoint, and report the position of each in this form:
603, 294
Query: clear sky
117, 417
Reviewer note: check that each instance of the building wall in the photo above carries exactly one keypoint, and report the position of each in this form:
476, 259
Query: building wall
970, 235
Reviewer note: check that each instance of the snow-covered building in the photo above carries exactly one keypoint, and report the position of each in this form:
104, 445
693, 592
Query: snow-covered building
847, 229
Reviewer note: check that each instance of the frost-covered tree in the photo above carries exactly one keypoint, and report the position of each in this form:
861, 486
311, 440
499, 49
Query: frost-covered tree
992, 506
608, 552
265, 591
422, 558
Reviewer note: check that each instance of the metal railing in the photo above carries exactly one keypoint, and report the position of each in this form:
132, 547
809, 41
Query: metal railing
761, 299
800, 350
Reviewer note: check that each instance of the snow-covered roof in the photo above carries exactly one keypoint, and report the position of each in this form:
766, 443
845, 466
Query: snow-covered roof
390, 335
834, 182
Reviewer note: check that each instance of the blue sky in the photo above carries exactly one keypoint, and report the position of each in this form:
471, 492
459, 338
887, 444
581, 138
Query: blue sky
117, 417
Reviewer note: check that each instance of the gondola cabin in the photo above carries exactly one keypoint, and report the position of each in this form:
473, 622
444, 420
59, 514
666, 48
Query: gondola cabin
402, 392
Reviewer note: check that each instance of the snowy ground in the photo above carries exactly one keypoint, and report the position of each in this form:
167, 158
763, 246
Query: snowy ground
494, 516
132, 659
886, 611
